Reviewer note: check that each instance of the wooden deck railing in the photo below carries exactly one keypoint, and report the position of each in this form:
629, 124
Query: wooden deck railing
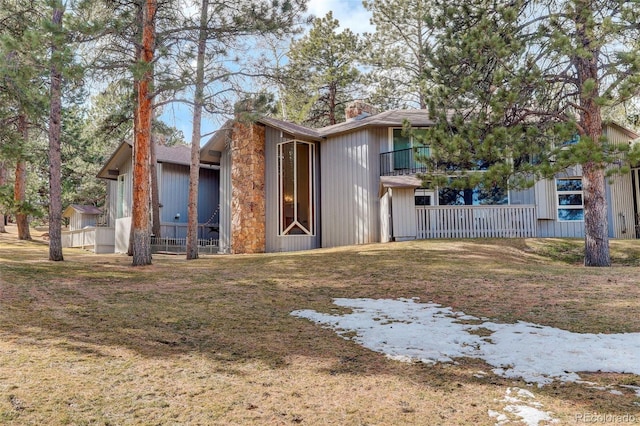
476, 221
96, 239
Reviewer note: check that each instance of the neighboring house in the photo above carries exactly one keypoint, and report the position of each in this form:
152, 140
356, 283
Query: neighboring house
86, 229
81, 216
285, 187
173, 186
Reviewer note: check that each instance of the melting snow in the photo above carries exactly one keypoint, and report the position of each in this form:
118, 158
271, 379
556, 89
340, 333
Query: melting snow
407, 330
522, 404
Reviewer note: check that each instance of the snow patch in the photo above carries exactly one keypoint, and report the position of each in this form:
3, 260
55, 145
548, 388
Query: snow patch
407, 330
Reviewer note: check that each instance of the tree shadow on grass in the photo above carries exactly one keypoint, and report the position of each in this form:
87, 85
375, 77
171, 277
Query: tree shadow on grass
237, 309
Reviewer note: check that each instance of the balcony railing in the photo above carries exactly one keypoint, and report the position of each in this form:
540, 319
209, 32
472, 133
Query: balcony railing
403, 161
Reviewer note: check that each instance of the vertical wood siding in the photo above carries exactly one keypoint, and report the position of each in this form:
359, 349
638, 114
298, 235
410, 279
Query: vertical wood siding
127, 170
174, 193
525, 196
621, 211
545, 194
385, 217
111, 202
404, 214
349, 188
225, 202
275, 242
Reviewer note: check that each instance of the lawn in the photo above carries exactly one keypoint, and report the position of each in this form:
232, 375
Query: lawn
92, 340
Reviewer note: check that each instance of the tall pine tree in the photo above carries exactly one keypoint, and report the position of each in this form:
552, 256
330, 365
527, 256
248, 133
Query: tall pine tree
517, 79
322, 74
398, 51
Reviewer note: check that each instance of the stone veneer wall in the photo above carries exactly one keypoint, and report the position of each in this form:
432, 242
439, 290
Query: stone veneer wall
248, 199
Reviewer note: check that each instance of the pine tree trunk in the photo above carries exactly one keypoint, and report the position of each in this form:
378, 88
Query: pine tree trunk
141, 167
595, 216
20, 185
596, 228
155, 195
3, 213
55, 157
136, 82
194, 171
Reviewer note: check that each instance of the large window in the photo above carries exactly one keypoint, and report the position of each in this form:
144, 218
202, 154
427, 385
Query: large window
570, 201
478, 196
406, 147
296, 174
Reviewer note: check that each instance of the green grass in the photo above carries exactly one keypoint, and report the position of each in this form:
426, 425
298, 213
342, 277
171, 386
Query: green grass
92, 340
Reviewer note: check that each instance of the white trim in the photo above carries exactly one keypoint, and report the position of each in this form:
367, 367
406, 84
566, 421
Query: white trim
569, 207
307, 230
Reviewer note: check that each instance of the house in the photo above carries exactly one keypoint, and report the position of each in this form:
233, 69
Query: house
173, 165
86, 229
285, 187
81, 216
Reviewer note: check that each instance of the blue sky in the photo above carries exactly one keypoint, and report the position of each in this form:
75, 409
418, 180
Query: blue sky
350, 13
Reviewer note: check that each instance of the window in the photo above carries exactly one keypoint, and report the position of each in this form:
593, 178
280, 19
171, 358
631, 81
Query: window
406, 147
296, 175
120, 197
570, 201
423, 197
478, 196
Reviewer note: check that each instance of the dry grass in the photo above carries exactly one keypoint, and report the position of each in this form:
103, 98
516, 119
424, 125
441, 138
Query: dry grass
94, 341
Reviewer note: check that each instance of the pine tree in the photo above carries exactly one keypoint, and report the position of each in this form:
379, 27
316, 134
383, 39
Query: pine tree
322, 74
398, 51
517, 79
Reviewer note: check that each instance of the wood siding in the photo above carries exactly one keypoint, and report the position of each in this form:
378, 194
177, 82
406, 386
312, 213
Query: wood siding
385, 217
225, 202
126, 169
349, 185
545, 195
620, 208
174, 193
79, 221
404, 214
275, 242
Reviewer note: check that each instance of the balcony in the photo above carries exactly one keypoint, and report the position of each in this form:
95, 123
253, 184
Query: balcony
403, 161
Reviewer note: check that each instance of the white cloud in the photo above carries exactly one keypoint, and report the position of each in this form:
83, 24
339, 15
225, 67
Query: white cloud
350, 13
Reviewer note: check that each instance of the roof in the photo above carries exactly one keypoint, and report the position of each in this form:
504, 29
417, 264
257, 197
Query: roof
177, 154
626, 131
391, 118
81, 209
295, 130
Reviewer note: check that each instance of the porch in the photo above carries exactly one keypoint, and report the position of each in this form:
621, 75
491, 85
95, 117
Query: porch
475, 221
173, 238
95, 239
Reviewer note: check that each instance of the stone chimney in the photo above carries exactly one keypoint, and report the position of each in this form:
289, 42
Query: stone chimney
358, 110
248, 196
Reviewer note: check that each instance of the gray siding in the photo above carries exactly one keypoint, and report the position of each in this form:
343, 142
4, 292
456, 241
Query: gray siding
174, 193
349, 185
555, 229
225, 202
80, 221
111, 202
621, 211
525, 196
275, 242
127, 170
404, 214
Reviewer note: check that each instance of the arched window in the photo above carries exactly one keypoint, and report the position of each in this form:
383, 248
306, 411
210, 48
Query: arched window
296, 176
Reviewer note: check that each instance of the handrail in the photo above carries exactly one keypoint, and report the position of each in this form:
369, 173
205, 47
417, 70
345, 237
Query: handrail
403, 161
